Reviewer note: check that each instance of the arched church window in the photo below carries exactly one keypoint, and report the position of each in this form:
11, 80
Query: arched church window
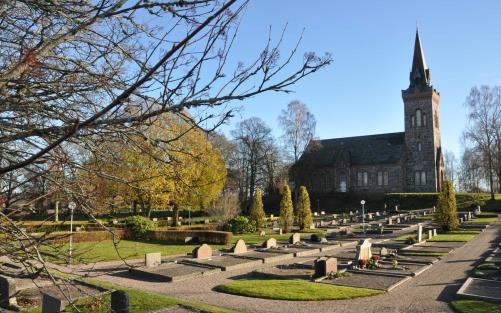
424, 120
418, 118
413, 121
419, 147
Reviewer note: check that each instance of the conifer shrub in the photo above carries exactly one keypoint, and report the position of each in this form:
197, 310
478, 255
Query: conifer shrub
303, 208
256, 210
446, 215
286, 210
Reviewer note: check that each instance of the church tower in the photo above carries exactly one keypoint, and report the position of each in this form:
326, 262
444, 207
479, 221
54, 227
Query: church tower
423, 171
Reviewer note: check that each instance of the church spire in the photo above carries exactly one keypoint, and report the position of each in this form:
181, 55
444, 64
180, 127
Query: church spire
420, 74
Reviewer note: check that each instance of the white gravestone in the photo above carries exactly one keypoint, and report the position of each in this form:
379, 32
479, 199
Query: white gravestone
152, 259
364, 250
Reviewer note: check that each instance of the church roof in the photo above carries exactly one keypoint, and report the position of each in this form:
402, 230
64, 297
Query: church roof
361, 150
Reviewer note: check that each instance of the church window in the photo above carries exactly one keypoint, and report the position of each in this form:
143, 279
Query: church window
420, 178
385, 178
362, 179
419, 147
412, 121
424, 120
418, 118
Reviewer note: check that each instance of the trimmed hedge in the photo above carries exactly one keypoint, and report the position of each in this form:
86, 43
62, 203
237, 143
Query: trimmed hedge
428, 200
202, 236
88, 236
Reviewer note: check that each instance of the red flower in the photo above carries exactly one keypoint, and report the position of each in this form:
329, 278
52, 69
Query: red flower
362, 263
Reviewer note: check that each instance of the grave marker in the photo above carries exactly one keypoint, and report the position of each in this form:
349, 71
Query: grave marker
383, 252
51, 304
239, 247
434, 232
364, 250
390, 221
262, 233
324, 266
7, 291
152, 259
203, 252
295, 238
420, 233
270, 243
119, 302
430, 234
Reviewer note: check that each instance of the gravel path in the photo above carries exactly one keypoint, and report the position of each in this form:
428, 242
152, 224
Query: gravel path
429, 292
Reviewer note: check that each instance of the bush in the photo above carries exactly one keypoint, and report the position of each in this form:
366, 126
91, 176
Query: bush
286, 210
257, 211
140, 226
303, 208
317, 237
446, 215
411, 240
241, 225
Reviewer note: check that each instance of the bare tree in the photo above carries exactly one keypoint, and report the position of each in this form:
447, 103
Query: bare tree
484, 113
76, 75
450, 164
298, 125
471, 173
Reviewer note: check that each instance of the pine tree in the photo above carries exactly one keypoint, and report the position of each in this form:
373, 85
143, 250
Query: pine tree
257, 211
286, 210
303, 208
446, 215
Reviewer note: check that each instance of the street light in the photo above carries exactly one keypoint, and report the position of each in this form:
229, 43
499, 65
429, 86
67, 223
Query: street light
71, 206
363, 215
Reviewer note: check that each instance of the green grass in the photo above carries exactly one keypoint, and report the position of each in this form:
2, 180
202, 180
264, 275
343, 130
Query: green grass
464, 232
293, 290
473, 306
405, 237
486, 220
422, 253
139, 301
453, 237
135, 249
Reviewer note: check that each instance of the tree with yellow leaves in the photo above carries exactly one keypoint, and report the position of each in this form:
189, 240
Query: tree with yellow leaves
257, 211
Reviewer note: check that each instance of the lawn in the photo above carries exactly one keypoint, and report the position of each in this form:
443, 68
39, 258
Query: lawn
139, 301
473, 306
461, 237
405, 237
135, 249
486, 220
293, 290
422, 253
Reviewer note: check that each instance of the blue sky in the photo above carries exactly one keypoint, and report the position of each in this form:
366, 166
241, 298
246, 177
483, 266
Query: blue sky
372, 45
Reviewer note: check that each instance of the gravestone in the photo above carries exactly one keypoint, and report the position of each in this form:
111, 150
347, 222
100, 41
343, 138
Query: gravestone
7, 291
315, 214
396, 208
434, 232
461, 220
322, 213
119, 302
364, 249
430, 234
115, 221
424, 213
152, 259
434, 209
239, 247
478, 211
469, 215
383, 252
52, 304
203, 252
324, 266
345, 221
390, 221
420, 233
271, 216
351, 212
334, 215
270, 243
206, 221
377, 213
262, 233
295, 238
188, 239
280, 231
154, 219
398, 220
369, 216
169, 218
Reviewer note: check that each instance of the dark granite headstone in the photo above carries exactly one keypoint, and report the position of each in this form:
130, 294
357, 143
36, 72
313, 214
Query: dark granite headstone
324, 266
119, 302
51, 304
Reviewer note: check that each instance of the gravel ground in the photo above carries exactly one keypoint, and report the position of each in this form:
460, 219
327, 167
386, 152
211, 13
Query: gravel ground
429, 292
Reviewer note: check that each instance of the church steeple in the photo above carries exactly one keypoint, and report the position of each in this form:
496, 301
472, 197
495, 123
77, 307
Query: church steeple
420, 74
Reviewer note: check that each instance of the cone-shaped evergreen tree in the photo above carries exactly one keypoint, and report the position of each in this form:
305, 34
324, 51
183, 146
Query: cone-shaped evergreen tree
257, 211
446, 215
303, 208
286, 210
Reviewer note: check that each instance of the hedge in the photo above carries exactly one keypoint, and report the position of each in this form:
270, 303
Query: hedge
88, 236
202, 236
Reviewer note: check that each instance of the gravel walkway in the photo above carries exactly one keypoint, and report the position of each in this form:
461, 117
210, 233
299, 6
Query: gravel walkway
429, 292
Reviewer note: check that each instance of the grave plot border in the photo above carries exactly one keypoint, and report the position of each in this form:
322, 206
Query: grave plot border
461, 292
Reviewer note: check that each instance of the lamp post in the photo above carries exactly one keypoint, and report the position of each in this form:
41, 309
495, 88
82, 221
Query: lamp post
363, 215
72, 207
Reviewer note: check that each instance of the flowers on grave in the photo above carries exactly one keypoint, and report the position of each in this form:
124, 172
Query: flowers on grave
362, 263
373, 262
395, 264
